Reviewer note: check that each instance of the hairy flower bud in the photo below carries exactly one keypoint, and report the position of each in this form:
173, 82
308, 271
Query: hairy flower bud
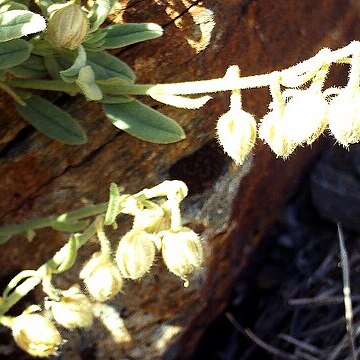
344, 117
305, 117
136, 253
68, 26
73, 310
236, 131
101, 277
149, 219
182, 251
271, 132
36, 335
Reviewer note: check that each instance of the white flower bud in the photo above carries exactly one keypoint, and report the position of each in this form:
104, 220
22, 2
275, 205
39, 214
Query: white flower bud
36, 335
182, 251
68, 26
344, 117
236, 131
136, 253
152, 220
73, 310
271, 132
101, 277
305, 117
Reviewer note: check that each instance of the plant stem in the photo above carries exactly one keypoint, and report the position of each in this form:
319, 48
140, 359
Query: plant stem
7, 231
30, 283
290, 77
41, 84
12, 93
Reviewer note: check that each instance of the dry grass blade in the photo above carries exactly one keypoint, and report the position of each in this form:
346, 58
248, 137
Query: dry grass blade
347, 293
271, 349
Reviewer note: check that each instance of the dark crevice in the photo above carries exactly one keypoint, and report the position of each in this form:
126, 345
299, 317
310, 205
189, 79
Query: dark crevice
181, 14
21, 136
201, 169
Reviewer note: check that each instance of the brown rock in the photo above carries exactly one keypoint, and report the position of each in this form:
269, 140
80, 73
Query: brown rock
230, 206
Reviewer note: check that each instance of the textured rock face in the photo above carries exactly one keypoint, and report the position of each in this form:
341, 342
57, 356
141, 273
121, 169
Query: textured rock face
229, 206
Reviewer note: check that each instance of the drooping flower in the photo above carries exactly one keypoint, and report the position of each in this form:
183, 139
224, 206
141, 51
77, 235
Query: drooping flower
305, 116
182, 251
101, 277
344, 117
73, 310
236, 132
36, 335
271, 132
136, 253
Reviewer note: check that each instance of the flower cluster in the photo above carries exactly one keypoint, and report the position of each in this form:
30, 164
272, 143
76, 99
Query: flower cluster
157, 227
297, 115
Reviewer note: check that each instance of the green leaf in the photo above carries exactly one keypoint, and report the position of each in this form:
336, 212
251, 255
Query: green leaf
68, 226
30, 235
52, 121
116, 99
95, 40
70, 75
17, 23
32, 68
14, 52
113, 207
41, 47
144, 122
86, 82
120, 35
65, 258
52, 66
4, 238
12, 5
45, 4
107, 66
99, 13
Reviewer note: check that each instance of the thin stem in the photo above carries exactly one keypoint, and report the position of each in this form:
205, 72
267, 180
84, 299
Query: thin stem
10, 230
30, 283
292, 77
12, 93
41, 84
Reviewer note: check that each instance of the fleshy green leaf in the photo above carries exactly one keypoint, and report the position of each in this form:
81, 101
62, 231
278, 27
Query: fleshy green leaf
99, 13
41, 47
70, 75
68, 226
116, 99
95, 40
17, 23
14, 52
12, 5
107, 66
86, 82
52, 121
144, 122
52, 66
65, 258
113, 207
31, 68
120, 35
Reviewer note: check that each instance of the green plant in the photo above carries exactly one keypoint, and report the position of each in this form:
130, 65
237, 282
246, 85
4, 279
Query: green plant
71, 63
300, 111
157, 227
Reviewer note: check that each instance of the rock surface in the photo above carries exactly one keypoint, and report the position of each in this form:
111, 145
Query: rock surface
230, 206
